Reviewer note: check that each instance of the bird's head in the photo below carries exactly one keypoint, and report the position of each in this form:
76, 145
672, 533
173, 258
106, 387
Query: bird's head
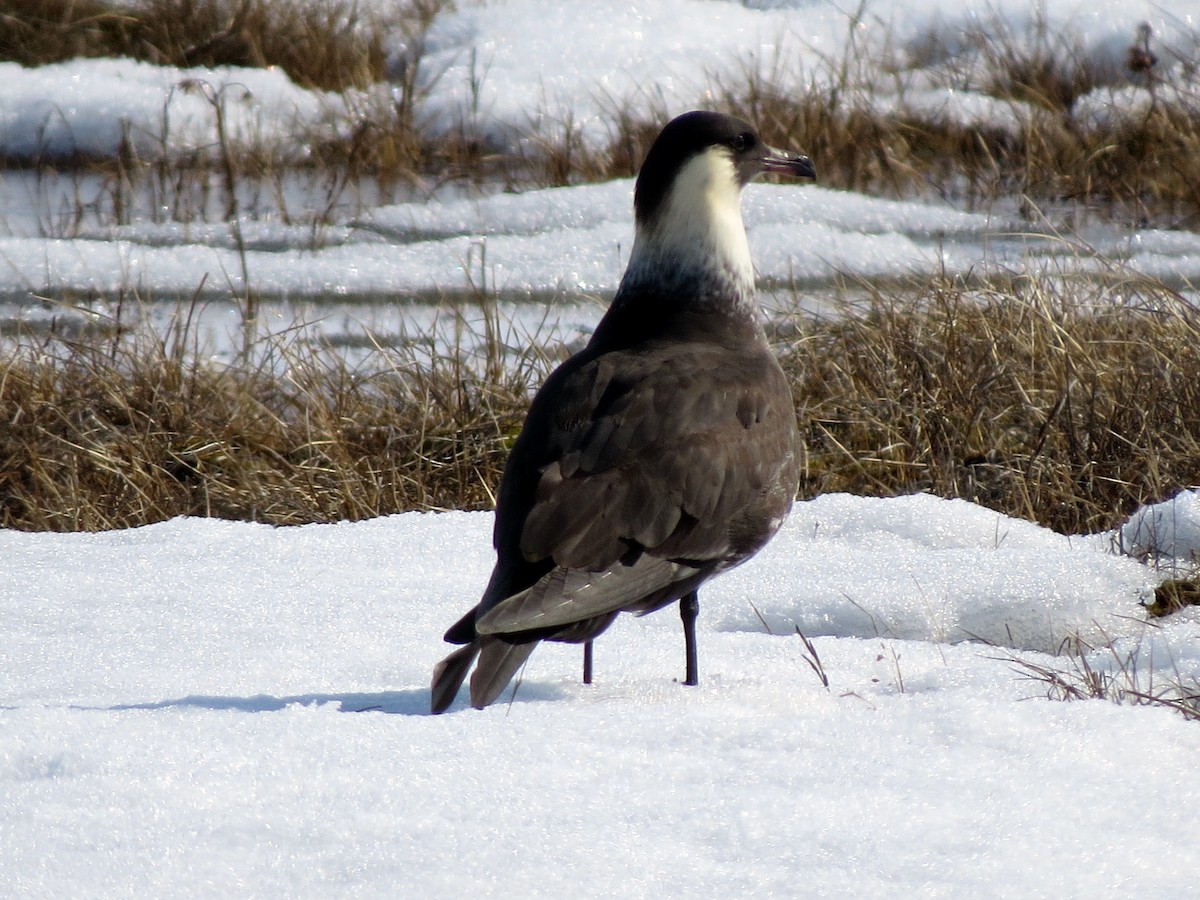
706, 157
687, 201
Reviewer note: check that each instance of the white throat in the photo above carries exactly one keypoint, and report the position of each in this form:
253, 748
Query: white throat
698, 227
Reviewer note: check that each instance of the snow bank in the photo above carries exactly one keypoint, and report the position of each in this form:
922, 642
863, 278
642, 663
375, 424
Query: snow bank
94, 107
1166, 533
174, 721
919, 568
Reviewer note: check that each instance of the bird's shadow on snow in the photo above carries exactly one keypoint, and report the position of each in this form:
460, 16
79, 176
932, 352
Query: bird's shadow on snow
403, 703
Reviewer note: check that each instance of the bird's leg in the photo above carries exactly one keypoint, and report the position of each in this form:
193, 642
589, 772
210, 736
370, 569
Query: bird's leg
587, 662
689, 610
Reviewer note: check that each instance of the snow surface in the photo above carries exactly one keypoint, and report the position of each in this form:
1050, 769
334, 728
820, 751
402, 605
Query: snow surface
552, 240
507, 64
215, 709
1167, 533
94, 106
572, 240
510, 62
175, 720
531, 65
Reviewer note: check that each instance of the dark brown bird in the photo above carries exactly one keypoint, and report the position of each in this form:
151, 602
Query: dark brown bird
1139, 58
664, 452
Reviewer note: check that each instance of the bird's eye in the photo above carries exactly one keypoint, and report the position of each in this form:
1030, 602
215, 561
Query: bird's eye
741, 141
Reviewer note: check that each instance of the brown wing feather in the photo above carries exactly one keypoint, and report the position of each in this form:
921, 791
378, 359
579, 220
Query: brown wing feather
680, 459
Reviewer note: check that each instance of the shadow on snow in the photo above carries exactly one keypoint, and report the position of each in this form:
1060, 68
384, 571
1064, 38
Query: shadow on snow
404, 703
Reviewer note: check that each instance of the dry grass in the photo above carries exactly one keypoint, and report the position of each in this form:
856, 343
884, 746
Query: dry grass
331, 45
118, 430
863, 121
1064, 402
1114, 673
326, 44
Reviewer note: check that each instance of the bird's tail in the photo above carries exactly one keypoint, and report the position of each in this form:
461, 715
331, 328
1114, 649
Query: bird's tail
498, 663
448, 676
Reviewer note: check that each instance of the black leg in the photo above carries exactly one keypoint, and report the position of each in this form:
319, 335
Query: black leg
689, 610
587, 662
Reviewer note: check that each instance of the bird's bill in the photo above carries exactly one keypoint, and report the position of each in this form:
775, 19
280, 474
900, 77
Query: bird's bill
784, 163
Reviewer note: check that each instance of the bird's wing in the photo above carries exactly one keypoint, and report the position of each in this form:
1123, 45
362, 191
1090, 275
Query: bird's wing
665, 454
651, 468
566, 596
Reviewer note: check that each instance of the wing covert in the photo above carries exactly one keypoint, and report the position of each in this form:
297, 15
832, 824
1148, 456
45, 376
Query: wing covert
643, 463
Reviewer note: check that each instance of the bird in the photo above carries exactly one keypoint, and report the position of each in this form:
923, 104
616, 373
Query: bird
1140, 60
663, 453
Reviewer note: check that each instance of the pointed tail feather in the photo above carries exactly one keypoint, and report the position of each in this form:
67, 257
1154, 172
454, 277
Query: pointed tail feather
448, 676
498, 663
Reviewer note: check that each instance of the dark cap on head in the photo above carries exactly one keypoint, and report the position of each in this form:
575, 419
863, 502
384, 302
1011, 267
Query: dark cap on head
695, 132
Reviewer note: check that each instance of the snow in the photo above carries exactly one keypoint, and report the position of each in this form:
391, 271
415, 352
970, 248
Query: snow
1166, 533
512, 67
213, 708
218, 709
569, 239
504, 65
92, 106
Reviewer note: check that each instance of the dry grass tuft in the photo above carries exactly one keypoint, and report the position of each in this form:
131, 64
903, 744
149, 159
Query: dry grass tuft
882, 124
1038, 65
326, 45
372, 55
1065, 402
1116, 674
555, 154
119, 431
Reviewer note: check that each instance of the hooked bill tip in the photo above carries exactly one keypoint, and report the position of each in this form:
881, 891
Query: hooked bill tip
785, 163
